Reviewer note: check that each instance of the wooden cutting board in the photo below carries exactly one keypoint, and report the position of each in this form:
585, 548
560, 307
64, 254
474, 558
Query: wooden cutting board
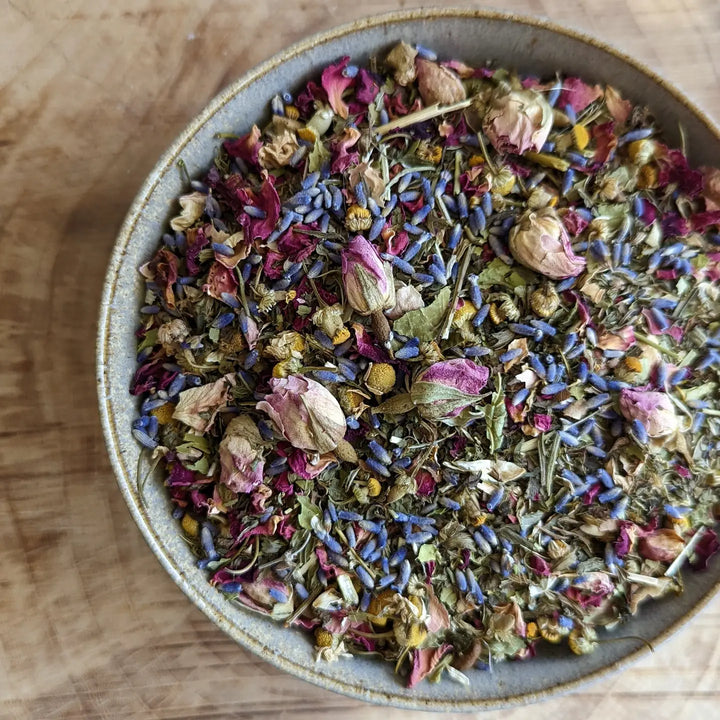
92, 92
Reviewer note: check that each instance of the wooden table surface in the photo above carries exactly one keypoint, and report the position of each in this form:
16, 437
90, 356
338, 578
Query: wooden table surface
92, 93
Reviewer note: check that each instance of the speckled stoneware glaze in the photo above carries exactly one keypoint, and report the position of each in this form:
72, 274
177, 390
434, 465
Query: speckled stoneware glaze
528, 44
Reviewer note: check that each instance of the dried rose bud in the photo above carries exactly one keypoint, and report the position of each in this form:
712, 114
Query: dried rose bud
241, 461
663, 545
539, 241
329, 319
401, 60
446, 388
519, 121
368, 280
437, 84
305, 412
193, 206
653, 409
172, 333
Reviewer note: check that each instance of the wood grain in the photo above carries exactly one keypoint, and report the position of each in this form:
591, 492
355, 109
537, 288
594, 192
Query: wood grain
92, 92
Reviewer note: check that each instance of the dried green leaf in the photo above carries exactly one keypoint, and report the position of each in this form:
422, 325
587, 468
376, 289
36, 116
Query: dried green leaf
318, 157
150, 340
308, 510
495, 417
424, 323
427, 553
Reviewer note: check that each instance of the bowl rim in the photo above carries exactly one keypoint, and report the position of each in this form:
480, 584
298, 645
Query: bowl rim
103, 349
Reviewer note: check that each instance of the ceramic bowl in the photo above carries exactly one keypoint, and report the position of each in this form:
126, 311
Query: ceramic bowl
472, 35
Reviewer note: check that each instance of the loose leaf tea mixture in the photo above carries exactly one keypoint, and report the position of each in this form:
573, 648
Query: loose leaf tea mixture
431, 363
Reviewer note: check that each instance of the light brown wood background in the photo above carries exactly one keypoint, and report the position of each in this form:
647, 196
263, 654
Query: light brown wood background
91, 92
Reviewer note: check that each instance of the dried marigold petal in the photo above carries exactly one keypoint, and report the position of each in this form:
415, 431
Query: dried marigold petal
465, 312
581, 136
190, 525
374, 487
164, 413
633, 363
292, 112
341, 336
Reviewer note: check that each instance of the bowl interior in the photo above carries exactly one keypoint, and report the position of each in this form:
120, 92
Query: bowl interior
474, 36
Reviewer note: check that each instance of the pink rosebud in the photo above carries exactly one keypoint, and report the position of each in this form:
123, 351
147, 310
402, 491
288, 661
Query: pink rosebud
518, 122
446, 388
539, 241
438, 84
241, 461
653, 409
663, 545
305, 412
368, 280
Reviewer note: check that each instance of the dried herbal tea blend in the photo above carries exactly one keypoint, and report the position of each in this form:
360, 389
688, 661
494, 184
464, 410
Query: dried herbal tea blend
430, 362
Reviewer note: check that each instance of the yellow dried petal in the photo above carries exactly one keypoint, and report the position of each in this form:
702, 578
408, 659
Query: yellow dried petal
164, 413
581, 136
532, 631
380, 601
465, 312
341, 336
374, 487
647, 178
416, 635
376, 606
292, 112
282, 369
190, 526
642, 152
290, 295
476, 160
550, 161
380, 378
307, 134
633, 363
503, 182
479, 519
323, 637
299, 343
